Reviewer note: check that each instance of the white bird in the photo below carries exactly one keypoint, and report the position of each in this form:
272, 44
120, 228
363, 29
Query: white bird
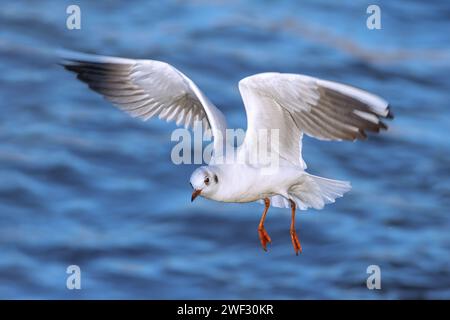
290, 104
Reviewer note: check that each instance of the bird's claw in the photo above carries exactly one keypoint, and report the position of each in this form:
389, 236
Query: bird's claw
264, 237
296, 242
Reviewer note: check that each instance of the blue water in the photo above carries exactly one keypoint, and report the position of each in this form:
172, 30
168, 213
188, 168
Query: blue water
82, 183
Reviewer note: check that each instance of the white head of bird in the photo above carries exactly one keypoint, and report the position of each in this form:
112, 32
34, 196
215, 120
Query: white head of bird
204, 180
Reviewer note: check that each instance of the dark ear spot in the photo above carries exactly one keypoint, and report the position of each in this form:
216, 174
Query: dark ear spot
215, 178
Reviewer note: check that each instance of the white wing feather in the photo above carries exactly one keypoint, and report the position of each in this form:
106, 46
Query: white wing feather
147, 88
295, 104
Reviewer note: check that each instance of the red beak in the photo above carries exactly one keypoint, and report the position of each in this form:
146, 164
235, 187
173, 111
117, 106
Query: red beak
195, 194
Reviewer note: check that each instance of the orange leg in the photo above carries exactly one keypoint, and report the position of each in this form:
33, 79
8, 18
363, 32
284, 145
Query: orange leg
263, 236
294, 237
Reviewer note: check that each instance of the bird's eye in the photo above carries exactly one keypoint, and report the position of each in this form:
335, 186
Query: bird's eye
206, 181
215, 178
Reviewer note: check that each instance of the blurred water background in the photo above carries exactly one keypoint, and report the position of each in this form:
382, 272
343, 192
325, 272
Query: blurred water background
83, 183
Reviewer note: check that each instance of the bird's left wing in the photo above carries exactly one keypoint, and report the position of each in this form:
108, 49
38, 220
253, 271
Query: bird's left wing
147, 88
293, 104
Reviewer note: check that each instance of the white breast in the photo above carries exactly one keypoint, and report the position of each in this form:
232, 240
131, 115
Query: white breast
243, 183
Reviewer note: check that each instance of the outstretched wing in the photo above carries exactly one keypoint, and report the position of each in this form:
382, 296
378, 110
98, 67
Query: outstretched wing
295, 104
147, 88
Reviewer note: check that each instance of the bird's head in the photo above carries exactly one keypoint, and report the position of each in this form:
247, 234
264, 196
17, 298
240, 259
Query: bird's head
204, 181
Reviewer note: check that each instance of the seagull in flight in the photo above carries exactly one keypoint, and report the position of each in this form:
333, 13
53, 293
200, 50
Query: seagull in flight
289, 104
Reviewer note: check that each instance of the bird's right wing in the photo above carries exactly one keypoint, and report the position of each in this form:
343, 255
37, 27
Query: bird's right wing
147, 88
294, 104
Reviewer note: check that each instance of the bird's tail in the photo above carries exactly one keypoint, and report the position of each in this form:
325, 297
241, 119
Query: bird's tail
315, 192
312, 192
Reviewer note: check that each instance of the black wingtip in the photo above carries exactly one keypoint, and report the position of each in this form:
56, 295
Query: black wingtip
390, 114
363, 135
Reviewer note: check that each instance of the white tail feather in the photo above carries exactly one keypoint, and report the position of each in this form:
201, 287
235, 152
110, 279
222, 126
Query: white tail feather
315, 192
312, 192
